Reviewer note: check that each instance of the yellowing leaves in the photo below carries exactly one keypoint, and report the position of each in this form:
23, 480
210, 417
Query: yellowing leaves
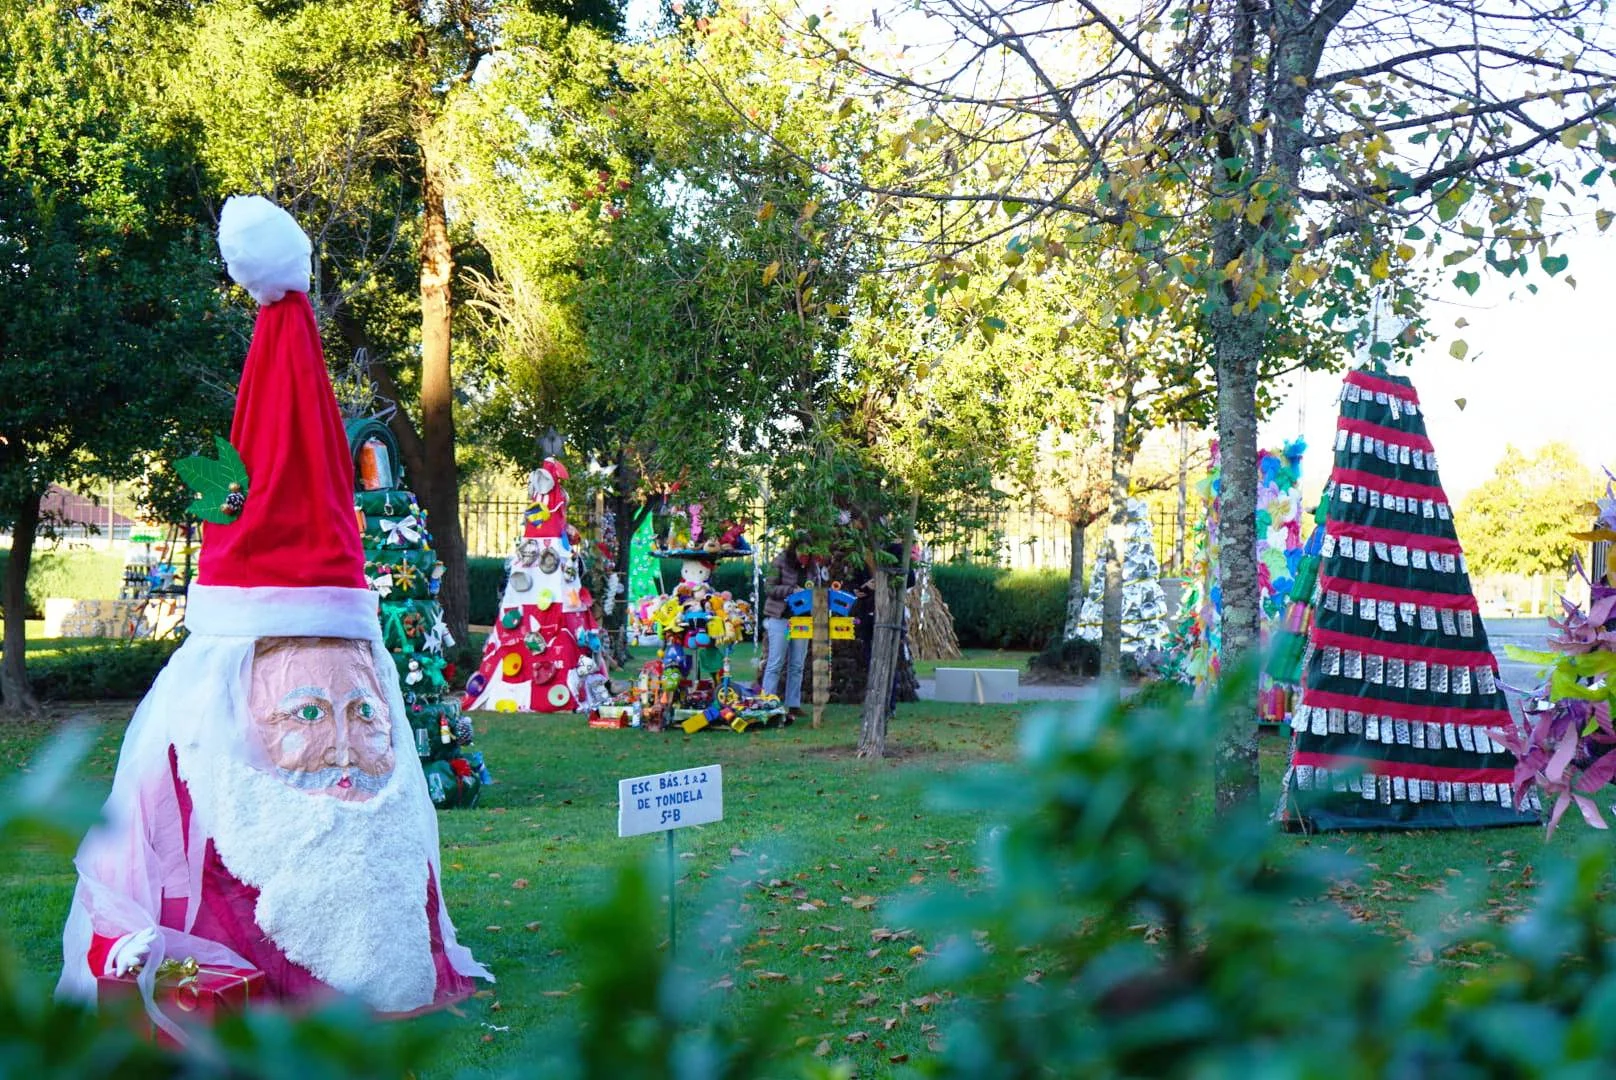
771, 272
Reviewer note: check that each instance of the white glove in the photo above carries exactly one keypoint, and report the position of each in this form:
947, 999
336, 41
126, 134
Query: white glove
129, 951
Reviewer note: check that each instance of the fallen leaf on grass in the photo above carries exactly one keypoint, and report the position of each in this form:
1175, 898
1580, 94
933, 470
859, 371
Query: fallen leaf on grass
856, 1036
823, 1048
519, 883
493, 929
863, 903
533, 927
898, 1059
771, 976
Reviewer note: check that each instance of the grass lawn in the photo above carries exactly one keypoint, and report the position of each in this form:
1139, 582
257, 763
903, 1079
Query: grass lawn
813, 840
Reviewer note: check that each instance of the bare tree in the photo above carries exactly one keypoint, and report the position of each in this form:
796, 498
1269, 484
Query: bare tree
1264, 163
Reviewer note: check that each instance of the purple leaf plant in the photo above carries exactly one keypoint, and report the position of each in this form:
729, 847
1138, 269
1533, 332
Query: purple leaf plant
1567, 744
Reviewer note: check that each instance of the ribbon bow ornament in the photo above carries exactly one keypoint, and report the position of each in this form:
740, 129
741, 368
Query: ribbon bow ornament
402, 532
382, 583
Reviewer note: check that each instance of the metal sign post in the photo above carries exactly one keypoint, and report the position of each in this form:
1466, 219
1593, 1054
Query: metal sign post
663, 802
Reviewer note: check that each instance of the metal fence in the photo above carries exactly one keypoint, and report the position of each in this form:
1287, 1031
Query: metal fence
1016, 538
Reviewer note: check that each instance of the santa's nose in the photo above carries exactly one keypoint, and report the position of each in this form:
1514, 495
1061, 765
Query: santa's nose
337, 756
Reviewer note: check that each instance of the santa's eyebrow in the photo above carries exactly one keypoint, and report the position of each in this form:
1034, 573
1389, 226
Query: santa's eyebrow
302, 693
354, 695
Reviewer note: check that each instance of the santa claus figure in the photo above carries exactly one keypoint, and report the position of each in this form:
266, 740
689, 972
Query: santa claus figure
269, 811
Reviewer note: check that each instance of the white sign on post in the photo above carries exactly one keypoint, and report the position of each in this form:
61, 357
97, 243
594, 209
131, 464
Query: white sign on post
670, 800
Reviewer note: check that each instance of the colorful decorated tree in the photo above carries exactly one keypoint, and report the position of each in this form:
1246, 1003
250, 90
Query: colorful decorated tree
1144, 605
404, 571
1197, 640
1401, 715
544, 652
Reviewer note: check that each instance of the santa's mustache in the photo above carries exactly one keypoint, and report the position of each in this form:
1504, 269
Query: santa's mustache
321, 779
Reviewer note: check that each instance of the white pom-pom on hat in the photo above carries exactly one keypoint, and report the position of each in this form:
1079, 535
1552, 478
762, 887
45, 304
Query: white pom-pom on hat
263, 248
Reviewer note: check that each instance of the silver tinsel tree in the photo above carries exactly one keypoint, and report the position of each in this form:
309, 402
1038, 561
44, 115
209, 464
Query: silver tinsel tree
1144, 605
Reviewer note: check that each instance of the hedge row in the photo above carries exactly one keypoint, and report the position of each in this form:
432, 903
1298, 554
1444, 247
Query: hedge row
994, 608
103, 671
78, 575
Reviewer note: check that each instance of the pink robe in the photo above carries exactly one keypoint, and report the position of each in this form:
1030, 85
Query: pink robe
225, 915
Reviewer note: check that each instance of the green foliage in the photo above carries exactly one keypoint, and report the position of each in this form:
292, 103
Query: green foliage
106, 671
1520, 520
485, 577
1101, 839
213, 480
1162, 694
1067, 656
1002, 609
107, 290
79, 575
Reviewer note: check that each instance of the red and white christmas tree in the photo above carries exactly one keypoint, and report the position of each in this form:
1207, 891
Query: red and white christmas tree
543, 654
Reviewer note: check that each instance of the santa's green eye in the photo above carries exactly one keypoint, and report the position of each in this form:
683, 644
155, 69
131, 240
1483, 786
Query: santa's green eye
366, 711
310, 713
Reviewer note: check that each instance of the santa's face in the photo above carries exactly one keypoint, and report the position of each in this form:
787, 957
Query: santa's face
318, 712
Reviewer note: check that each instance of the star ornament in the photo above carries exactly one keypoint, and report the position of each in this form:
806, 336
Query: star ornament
437, 636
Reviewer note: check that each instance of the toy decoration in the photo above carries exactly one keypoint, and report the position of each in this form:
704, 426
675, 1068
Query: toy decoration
690, 683
1397, 726
533, 661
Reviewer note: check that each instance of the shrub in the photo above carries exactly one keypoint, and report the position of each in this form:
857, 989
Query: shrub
485, 580
104, 671
994, 608
1162, 694
76, 574
1062, 657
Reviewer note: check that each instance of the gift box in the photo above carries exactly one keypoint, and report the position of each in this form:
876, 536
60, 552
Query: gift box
187, 993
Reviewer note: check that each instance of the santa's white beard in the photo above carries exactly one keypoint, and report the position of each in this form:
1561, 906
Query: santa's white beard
341, 885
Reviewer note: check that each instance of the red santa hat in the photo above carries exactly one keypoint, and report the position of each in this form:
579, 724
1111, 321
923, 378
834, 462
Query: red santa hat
291, 563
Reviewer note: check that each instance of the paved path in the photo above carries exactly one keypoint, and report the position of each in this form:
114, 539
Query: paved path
1524, 633
1028, 691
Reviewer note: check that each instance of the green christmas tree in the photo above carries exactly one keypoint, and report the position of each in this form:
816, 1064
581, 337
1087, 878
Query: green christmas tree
404, 570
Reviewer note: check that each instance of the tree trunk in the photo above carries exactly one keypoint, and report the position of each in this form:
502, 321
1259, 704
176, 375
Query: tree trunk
1075, 590
886, 645
16, 697
440, 476
1111, 628
1237, 344
615, 622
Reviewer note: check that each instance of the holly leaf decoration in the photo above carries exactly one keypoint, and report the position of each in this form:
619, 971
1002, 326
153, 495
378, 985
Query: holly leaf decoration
211, 479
